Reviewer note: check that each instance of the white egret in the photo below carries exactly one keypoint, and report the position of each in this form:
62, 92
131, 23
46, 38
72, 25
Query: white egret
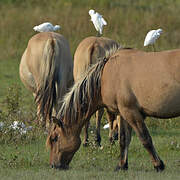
46, 27
106, 126
152, 36
98, 21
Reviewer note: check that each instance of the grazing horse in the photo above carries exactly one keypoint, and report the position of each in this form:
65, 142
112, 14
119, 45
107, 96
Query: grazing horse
46, 69
132, 83
89, 51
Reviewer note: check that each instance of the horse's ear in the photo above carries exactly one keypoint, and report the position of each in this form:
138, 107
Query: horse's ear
57, 121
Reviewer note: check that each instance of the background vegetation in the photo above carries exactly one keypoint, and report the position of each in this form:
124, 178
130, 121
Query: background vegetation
25, 156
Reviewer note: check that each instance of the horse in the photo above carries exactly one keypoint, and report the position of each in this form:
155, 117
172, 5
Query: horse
132, 83
89, 51
46, 69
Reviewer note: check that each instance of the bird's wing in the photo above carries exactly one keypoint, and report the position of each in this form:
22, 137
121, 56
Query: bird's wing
45, 27
103, 21
149, 38
96, 22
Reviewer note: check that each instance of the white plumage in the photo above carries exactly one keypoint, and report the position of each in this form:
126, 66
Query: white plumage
97, 20
106, 126
46, 27
152, 36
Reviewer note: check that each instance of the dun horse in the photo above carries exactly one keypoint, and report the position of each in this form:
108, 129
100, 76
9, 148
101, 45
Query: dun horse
90, 51
131, 83
46, 69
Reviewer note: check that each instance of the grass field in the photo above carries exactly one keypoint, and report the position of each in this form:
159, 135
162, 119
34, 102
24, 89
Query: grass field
25, 156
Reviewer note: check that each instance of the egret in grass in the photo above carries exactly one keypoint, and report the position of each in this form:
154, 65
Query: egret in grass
106, 126
152, 36
46, 27
98, 21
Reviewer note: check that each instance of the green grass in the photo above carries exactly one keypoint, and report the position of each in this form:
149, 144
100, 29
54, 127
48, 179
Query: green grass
30, 160
128, 22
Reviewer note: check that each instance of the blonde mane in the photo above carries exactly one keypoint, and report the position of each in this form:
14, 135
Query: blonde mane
78, 102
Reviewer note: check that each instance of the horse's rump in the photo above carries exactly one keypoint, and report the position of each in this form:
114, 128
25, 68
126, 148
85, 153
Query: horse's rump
48, 60
91, 50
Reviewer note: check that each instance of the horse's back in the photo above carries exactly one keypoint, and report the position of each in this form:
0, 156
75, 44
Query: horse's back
89, 51
148, 81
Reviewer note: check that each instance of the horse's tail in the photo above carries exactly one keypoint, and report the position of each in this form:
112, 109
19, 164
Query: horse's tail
46, 91
85, 92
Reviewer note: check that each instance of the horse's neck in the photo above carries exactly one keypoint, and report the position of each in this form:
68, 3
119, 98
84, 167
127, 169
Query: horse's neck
93, 108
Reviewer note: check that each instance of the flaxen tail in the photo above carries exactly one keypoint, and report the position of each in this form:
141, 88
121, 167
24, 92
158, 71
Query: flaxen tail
46, 92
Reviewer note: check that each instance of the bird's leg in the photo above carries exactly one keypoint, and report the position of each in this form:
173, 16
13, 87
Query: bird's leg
154, 48
98, 34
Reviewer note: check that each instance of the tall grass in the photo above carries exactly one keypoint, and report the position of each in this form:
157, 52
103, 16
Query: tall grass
128, 21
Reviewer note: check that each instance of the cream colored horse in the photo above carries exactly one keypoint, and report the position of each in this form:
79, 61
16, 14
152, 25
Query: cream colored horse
131, 83
46, 69
90, 51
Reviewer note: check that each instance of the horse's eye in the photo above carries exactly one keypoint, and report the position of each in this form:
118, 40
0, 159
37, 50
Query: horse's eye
54, 139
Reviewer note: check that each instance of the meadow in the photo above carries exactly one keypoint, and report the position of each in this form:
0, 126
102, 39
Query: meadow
25, 156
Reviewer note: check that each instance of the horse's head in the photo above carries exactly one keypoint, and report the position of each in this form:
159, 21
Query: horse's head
63, 144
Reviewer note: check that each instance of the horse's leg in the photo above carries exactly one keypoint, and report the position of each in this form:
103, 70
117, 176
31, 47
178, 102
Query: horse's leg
115, 128
136, 121
99, 115
124, 132
110, 117
86, 137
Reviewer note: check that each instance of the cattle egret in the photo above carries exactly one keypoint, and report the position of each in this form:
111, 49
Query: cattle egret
106, 126
98, 21
46, 27
152, 36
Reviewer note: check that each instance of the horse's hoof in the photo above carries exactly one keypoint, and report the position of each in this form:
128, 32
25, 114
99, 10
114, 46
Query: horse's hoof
115, 136
98, 142
124, 168
112, 142
85, 144
160, 168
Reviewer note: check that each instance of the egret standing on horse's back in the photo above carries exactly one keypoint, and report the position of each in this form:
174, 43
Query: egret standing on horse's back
152, 36
98, 21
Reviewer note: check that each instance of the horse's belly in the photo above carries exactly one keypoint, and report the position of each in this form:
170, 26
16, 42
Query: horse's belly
160, 103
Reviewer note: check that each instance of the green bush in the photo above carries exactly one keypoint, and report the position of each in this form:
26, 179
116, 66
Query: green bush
16, 112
